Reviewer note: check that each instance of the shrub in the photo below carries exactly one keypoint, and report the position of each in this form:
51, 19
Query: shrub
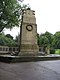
52, 51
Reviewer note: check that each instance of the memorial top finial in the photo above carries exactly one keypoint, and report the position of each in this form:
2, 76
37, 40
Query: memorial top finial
29, 12
28, 8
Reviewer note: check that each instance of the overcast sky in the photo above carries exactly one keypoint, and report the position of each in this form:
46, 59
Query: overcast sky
47, 15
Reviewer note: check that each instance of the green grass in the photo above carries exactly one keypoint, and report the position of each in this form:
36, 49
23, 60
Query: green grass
57, 51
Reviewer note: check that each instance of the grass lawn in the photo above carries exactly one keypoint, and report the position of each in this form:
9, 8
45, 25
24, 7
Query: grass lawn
57, 51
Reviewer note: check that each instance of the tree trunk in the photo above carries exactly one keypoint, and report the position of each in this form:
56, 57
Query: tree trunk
1, 29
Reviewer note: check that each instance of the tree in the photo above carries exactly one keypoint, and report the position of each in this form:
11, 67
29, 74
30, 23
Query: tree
43, 41
49, 36
56, 40
5, 41
9, 36
10, 11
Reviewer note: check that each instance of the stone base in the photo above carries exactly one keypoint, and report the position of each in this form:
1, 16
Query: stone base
27, 54
9, 58
29, 50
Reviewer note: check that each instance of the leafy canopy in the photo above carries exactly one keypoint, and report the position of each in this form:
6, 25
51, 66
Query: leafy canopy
56, 40
6, 41
10, 11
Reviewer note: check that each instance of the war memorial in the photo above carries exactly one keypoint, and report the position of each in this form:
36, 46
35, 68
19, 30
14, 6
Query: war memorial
28, 36
28, 47
28, 68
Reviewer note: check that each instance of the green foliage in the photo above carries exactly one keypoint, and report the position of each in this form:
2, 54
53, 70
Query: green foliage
43, 41
56, 40
50, 37
10, 42
9, 36
52, 51
50, 41
10, 11
57, 51
47, 38
5, 41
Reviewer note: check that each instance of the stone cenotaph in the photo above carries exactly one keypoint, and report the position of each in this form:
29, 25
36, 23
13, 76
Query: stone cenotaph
28, 36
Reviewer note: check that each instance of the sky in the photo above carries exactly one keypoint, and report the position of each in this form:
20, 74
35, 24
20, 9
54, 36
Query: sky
47, 14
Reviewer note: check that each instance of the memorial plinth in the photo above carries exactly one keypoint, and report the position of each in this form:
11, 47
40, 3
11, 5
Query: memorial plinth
28, 36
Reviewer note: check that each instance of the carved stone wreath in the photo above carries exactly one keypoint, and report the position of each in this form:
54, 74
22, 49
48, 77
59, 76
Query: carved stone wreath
29, 27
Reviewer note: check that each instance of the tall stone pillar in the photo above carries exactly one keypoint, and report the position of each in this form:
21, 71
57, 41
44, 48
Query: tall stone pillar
28, 37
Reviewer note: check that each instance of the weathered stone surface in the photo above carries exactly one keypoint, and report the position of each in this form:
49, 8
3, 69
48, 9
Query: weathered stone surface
29, 33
